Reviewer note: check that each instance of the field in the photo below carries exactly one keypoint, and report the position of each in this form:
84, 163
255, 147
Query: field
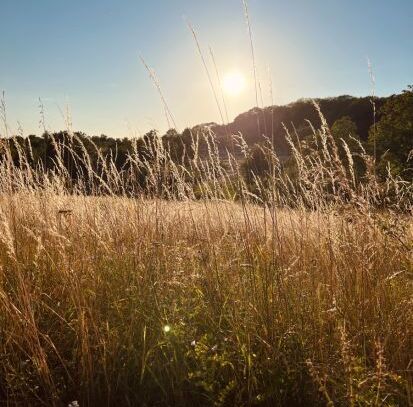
145, 301
262, 260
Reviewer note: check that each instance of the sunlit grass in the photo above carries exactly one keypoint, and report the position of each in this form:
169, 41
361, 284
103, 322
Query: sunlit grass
189, 278
117, 300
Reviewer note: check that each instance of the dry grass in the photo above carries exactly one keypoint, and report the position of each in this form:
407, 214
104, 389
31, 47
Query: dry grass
191, 282
138, 302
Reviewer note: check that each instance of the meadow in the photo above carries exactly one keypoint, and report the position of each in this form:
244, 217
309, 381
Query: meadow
197, 288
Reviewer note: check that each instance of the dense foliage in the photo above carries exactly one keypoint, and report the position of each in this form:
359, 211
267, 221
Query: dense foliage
388, 135
392, 138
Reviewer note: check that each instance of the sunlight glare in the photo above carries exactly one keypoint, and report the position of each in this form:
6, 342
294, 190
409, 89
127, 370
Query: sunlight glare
234, 83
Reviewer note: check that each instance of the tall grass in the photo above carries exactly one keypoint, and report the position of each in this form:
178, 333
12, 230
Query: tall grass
198, 280
198, 287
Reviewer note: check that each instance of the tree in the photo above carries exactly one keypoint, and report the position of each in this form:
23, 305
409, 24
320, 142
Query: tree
344, 129
256, 165
393, 136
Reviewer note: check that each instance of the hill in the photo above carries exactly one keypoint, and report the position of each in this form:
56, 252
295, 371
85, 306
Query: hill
257, 123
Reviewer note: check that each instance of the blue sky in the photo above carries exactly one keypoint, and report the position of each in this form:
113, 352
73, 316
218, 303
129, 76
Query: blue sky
85, 54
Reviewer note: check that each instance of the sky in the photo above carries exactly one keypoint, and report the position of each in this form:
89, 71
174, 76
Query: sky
83, 56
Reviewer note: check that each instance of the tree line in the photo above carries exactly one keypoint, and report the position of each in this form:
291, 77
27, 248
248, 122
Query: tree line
381, 127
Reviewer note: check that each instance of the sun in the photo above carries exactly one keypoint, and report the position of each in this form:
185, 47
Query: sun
234, 83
